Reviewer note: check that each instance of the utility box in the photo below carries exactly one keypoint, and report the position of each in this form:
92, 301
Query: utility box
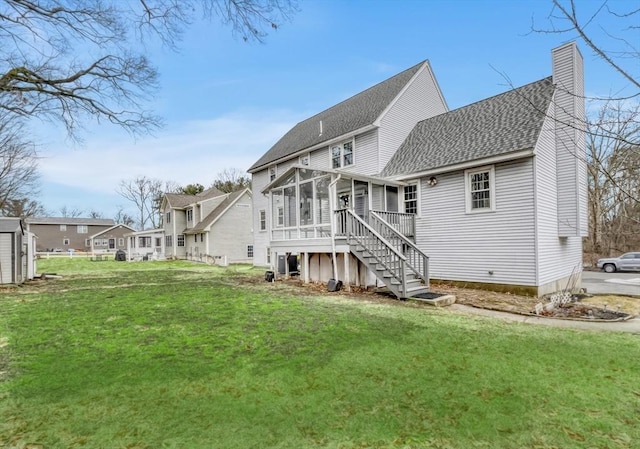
334, 285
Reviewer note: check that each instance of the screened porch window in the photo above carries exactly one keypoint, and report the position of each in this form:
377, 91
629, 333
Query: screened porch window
300, 207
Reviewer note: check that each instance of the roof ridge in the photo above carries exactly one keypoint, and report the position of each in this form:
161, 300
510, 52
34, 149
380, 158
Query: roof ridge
353, 113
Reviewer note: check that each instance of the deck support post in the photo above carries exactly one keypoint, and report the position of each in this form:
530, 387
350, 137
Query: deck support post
347, 271
305, 266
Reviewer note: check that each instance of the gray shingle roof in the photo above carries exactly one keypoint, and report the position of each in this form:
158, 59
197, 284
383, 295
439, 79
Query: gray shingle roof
215, 213
179, 200
71, 221
495, 126
354, 113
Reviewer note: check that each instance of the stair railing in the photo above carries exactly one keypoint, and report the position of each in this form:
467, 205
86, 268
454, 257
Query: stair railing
417, 261
385, 254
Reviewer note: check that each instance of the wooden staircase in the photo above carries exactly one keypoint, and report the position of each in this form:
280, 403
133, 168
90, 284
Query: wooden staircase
393, 258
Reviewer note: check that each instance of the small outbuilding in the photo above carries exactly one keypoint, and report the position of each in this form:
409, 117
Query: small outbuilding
17, 257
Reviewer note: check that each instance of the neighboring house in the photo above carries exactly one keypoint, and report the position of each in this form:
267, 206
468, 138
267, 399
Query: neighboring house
145, 245
17, 252
109, 240
63, 234
212, 227
389, 187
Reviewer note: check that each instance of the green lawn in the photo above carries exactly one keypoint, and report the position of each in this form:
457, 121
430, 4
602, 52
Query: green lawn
176, 355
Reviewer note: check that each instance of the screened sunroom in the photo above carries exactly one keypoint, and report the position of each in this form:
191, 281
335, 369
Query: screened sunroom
303, 202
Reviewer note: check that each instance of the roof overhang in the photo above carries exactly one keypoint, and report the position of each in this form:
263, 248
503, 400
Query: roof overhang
520, 154
343, 173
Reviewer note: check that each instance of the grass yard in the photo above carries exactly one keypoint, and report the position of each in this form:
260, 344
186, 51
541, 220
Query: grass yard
177, 355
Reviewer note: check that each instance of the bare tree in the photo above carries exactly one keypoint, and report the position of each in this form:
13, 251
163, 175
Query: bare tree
565, 18
612, 133
19, 177
122, 217
613, 179
23, 208
71, 212
231, 179
69, 60
143, 192
146, 195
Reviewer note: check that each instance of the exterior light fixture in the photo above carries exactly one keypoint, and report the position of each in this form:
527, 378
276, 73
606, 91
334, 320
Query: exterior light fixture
433, 181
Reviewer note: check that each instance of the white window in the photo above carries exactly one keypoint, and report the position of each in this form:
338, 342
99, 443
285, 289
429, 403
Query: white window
83, 229
268, 255
280, 221
168, 240
65, 242
168, 217
263, 220
480, 189
272, 173
249, 250
411, 199
87, 242
121, 242
304, 159
190, 215
63, 227
181, 240
144, 242
342, 155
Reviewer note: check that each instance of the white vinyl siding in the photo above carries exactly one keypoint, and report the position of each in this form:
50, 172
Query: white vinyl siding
366, 153
557, 256
469, 247
421, 99
229, 237
6, 258
259, 180
569, 110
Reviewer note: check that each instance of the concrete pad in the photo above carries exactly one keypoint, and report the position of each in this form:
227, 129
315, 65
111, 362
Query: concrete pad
435, 299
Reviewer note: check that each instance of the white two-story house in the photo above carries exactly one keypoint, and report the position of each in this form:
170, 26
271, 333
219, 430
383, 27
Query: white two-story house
391, 187
211, 227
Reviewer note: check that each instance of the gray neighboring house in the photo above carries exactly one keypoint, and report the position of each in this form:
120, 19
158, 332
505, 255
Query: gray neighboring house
63, 234
391, 188
110, 239
17, 252
212, 227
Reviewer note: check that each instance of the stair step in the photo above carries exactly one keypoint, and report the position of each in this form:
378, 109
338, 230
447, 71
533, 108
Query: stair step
416, 290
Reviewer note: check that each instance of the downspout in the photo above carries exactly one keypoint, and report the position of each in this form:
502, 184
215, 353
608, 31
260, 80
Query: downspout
332, 199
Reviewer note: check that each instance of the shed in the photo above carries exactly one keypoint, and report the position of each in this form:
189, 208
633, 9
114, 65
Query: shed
16, 263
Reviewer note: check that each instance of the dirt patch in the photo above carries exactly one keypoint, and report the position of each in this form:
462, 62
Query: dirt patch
597, 307
603, 307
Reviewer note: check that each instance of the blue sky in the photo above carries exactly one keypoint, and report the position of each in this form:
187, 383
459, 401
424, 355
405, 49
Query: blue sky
225, 101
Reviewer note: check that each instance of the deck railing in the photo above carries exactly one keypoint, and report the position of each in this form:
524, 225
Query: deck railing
402, 222
417, 261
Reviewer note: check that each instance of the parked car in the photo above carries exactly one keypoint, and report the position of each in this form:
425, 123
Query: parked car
626, 262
